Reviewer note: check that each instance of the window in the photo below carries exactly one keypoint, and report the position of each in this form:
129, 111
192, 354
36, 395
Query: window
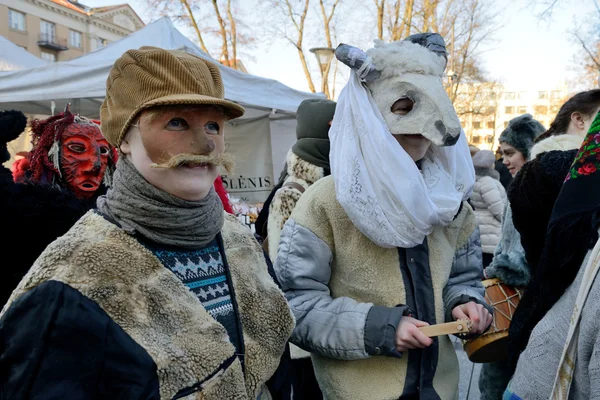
491, 110
490, 124
554, 108
555, 94
540, 110
506, 124
47, 31
509, 95
48, 57
522, 110
75, 39
476, 139
489, 139
98, 43
509, 110
522, 95
476, 124
542, 95
16, 20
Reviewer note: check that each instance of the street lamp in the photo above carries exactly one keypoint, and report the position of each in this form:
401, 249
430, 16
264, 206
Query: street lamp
324, 56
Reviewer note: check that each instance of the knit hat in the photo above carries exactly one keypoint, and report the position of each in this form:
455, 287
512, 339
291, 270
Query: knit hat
150, 77
12, 124
313, 119
484, 159
521, 133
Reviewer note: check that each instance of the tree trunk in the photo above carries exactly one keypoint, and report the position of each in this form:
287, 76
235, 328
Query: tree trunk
380, 15
195, 25
327, 27
408, 14
224, 47
233, 34
300, 28
397, 27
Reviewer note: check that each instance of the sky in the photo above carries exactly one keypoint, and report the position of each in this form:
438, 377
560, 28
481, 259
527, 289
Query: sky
527, 53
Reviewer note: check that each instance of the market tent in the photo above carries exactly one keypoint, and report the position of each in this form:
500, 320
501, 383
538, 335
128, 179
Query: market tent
46, 90
13, 57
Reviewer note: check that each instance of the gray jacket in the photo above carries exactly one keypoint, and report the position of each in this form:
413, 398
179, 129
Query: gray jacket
538, 363
343, 328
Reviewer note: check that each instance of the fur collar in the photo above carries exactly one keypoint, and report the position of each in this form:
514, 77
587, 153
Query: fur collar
557, 142
303, 170
482, 171
156, 309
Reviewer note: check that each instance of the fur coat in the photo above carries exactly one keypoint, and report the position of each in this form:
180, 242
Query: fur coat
285, 199
557, 142
488, 201
182, 351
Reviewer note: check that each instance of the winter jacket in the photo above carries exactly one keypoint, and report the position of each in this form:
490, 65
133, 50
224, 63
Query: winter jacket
302, 173
99, 317
557, 142
488, 201
509, 263
348, 296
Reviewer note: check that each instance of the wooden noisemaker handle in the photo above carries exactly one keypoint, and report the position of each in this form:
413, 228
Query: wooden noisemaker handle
449, 328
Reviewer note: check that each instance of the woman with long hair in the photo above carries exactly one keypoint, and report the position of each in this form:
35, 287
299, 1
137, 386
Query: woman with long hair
571, 124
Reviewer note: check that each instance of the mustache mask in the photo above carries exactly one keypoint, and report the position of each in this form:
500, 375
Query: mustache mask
224, 159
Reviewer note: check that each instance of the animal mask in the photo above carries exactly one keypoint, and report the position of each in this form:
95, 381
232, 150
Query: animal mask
409, 69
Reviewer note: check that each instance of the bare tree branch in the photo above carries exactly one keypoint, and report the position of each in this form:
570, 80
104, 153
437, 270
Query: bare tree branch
589, 53
233, 34
224, 47
195, 25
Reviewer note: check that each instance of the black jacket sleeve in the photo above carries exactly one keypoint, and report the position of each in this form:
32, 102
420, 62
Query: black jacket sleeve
56, 343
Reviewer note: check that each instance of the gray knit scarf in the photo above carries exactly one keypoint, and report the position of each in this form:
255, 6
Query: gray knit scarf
139, 207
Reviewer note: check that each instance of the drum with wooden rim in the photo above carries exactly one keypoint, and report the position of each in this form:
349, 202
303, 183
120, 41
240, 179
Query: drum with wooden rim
492, 345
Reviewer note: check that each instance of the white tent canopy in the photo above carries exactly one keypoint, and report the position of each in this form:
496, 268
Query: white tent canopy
13, 57
82, 81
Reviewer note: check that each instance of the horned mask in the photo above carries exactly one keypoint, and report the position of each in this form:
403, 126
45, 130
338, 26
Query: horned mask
409, 69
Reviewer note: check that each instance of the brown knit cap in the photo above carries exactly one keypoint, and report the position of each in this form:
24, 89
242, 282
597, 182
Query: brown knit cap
150, 77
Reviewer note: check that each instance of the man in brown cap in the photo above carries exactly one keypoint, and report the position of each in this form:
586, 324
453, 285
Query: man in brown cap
156, 294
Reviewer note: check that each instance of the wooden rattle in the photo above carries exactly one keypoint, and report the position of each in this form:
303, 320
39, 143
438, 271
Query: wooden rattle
450, 328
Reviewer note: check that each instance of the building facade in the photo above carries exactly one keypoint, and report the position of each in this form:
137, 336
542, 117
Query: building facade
485, 109
60, 30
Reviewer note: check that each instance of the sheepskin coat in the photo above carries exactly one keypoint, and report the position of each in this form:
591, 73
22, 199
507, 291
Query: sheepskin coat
338, 283
488, 201
301, 172
557, 142
155, 339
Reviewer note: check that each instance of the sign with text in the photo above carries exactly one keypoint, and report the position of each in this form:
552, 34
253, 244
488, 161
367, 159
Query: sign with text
250, 143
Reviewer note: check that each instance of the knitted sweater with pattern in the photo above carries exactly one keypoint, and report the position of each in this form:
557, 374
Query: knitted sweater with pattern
203, 272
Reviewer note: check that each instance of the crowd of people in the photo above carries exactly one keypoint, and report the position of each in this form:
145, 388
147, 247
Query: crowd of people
375, 245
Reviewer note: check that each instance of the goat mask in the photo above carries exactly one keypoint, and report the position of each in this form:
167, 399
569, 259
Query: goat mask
413, 70
387, 197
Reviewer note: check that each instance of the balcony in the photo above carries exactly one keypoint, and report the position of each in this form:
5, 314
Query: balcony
52, 42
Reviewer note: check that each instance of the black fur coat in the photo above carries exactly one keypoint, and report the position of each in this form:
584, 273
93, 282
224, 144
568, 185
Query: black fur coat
32, 217
532, 196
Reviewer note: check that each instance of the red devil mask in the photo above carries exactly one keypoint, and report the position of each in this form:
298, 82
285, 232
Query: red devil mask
70, 149
84, 156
